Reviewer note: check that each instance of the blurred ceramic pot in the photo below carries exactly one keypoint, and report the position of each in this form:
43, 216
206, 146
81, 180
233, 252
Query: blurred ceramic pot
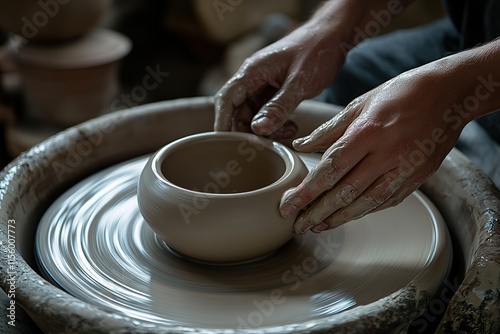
51, 20
70, 82
214, 196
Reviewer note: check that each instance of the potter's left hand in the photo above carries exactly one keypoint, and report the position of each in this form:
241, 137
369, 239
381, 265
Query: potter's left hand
377, 151
270, 84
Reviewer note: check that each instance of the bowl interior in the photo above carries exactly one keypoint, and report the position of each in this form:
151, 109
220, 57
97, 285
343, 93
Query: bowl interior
221, 165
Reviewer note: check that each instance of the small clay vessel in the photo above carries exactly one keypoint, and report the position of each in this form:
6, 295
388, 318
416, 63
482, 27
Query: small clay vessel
214, 196
70, 82
52, 20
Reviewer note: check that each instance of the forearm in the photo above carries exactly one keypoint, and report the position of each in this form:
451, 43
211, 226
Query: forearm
348, 22
471, 80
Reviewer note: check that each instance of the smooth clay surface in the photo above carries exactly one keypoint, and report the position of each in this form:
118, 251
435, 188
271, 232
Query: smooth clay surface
467, 199
214, 197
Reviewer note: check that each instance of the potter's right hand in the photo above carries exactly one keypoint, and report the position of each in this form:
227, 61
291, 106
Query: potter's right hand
272, 82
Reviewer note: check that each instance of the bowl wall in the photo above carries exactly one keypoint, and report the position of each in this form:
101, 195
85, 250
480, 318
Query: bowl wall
214, 197
222, 165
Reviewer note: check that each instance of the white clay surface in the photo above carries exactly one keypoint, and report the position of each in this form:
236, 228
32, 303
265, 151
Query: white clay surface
215, 196
94, 243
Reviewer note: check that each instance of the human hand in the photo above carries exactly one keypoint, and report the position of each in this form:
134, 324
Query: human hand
377, 151
271, 83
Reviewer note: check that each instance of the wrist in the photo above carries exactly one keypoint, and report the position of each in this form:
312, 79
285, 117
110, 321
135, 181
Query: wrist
352, 21
472, 80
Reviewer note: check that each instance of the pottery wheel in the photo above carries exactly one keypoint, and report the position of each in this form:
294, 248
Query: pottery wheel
93, 243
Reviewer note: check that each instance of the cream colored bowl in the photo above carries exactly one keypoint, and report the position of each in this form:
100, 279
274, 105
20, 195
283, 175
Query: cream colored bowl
214, 196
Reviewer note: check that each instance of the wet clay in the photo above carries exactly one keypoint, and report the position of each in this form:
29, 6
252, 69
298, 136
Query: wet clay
215, 196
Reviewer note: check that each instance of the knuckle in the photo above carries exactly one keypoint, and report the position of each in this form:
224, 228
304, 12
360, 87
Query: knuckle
345, 196
318, 213
348, 193
377, 199
326, 171
277, 108
330, 170
250, 64
342, 198
355, 103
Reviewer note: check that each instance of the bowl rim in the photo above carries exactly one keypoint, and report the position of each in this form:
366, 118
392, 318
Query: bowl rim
286, 155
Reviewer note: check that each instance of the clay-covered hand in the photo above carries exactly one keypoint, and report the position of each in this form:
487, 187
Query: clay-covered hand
271, 83
377, 151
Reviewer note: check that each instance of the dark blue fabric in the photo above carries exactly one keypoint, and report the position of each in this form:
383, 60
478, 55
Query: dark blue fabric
477, 21
379, 59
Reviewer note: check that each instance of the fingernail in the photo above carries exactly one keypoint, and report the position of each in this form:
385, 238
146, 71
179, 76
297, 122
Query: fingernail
300, 142
302, 226
288, 209
321, 227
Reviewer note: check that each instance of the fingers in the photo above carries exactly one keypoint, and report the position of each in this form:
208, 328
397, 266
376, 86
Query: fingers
346, 194
233, 113
374, 195
242, 118
230, 96
273, 115
329, 132
384, 193
238, 90
335, 163
332, 167
246, 83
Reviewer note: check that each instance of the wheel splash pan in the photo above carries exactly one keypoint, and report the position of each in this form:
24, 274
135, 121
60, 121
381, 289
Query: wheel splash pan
467, 199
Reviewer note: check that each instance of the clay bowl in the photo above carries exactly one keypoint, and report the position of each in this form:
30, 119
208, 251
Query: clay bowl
200, 195
467, 199
51, 20
70, 82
